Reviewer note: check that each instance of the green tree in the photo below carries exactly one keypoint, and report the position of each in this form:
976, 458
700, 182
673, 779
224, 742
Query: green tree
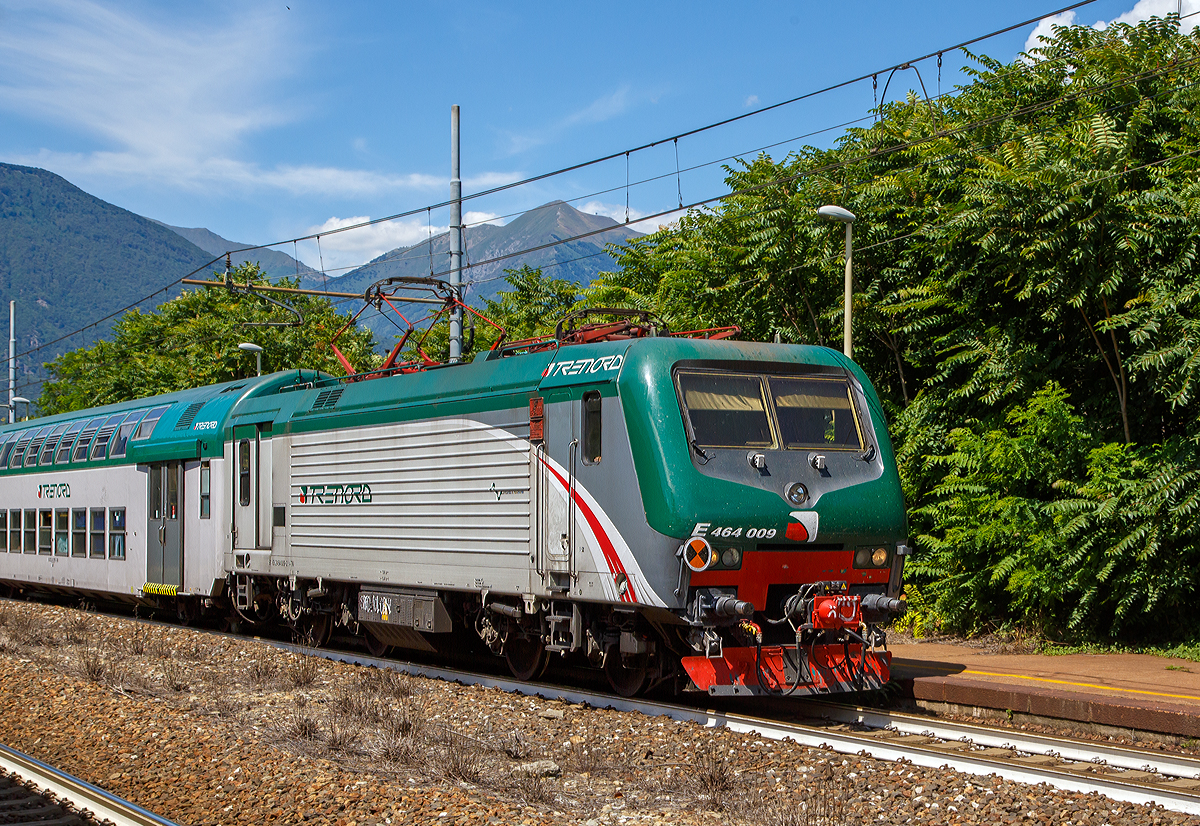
1036, 229
191, 341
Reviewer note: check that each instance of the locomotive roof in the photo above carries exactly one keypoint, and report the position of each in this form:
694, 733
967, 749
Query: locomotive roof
195, 423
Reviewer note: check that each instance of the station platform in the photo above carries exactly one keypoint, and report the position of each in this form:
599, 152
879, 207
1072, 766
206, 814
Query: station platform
1125, 692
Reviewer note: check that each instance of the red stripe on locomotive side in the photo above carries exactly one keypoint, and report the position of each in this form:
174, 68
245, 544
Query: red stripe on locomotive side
606, 545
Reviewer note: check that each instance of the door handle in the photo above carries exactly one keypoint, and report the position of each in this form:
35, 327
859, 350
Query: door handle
162, 535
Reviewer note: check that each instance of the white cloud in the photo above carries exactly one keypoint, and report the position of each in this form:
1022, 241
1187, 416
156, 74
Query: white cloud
1044, 31
1142, 10
1145, 9
751, 101
169, 102
146, 88
617, 213
343, 251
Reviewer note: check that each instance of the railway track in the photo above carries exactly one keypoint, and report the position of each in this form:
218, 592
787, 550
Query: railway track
1124, 774
38, 797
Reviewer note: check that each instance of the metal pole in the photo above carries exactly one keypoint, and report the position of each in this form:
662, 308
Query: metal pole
846, 343
456, 331
12, 364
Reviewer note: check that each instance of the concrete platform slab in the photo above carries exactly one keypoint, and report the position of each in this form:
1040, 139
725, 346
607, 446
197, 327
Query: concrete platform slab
1126, 691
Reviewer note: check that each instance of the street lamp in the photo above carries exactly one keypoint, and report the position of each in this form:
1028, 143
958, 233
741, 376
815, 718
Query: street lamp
14, 401
836, 213
247, 347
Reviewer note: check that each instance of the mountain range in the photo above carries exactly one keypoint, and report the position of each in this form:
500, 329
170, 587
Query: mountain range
70, 259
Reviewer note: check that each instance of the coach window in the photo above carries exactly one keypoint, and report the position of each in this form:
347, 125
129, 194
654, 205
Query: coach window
18, 454
6, 445
63, 454
62, 536
205, 490
591, 427
14, 531
30, 532
51, 441
100, 448
116, 534
121, 440
31, 455
3, 530
97, 545
146, 428
244, 472
85, 440
79, 532
46, 532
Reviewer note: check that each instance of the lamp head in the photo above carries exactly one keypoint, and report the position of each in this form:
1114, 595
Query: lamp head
249, 348
836, 213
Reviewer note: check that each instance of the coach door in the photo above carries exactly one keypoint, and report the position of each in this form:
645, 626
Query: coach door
164, 531
245, 487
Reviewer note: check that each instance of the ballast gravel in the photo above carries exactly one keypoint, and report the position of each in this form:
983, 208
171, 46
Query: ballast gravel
205, 729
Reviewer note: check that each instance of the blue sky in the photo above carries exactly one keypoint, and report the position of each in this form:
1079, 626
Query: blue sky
266, 121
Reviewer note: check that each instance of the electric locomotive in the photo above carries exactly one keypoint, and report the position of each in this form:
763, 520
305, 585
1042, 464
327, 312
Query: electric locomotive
672, 509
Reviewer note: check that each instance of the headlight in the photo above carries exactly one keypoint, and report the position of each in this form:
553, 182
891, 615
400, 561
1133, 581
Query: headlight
871, 557
796, 493
731, 557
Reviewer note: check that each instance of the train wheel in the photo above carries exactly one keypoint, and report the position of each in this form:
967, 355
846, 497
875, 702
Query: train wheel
527, 658
317, 629
375, 646
626, 679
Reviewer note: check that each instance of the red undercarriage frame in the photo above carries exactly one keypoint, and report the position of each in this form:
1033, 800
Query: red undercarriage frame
796, 670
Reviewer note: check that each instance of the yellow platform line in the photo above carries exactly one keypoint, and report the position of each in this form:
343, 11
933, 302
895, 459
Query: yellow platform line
1083, 685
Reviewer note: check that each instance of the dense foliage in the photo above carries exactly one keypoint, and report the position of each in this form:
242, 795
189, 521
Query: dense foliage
1026, 301
192, 341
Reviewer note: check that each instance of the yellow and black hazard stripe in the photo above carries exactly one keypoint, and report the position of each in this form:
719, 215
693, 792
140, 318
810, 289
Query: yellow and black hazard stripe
160, 590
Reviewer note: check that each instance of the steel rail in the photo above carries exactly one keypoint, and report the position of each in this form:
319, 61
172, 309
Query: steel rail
924, 754
100, 804
1067, 749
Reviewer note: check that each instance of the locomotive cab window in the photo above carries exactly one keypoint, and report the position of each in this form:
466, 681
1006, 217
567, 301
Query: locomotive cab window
726, 409
815, 413
591, 428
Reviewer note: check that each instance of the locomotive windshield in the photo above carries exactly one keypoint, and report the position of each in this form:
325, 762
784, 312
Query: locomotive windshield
815, 413
738, 410
726, 409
